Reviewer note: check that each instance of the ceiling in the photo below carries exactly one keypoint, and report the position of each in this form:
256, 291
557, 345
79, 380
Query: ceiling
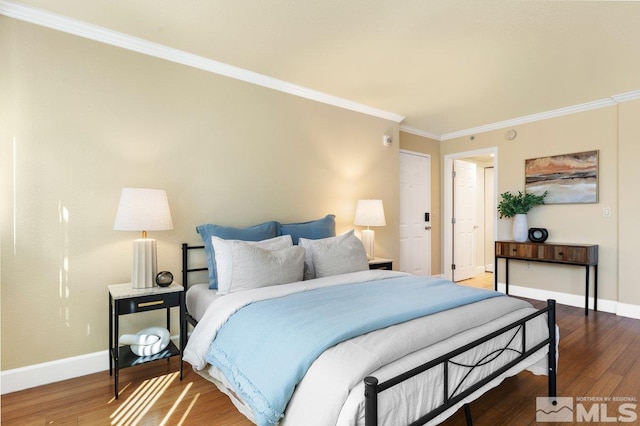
446, 66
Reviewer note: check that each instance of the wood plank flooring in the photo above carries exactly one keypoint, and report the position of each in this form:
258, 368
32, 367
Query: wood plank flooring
599, 357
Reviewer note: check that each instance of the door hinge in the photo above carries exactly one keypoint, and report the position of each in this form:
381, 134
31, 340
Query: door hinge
453, 266
453, 174
453, 220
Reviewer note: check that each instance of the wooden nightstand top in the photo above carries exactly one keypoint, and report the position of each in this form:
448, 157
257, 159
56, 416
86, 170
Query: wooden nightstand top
125, 291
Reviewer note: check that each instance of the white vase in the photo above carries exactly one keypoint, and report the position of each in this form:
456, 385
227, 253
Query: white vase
520, 228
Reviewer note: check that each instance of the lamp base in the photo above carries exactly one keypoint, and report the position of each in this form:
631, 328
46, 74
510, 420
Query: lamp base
144, 269
368, 237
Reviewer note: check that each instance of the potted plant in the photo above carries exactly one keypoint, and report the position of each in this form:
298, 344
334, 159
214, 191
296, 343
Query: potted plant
517, 207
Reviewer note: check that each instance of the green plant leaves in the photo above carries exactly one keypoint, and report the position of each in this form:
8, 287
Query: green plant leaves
511, 205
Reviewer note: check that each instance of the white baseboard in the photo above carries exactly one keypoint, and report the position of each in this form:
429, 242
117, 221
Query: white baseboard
611, 306
629, 311
31, 376
35, 375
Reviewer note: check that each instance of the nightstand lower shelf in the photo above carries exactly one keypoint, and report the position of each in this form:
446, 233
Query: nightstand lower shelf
126, 358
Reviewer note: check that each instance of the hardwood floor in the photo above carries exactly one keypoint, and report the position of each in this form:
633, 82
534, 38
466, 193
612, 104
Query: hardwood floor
484, 280
599, 357
150, 395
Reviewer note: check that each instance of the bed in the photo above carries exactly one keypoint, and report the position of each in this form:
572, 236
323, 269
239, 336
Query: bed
379, 353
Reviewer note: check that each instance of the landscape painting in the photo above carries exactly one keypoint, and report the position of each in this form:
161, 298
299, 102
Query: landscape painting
569, 178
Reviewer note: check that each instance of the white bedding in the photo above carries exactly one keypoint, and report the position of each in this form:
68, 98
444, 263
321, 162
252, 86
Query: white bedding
332, 390
198, 299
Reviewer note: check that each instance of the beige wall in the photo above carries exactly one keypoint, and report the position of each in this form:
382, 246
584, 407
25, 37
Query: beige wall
579, 223
80, 120
629, 205
411, 142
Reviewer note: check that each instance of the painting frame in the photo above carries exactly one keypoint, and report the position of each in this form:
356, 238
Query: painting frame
568, 178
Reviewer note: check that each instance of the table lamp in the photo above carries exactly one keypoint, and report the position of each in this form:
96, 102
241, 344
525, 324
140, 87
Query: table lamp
369, 213
143, 209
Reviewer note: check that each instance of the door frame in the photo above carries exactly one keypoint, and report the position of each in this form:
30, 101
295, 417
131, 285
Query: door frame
430, 234
448, 202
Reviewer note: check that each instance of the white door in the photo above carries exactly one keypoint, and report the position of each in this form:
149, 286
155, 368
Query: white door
464, 223
415, 206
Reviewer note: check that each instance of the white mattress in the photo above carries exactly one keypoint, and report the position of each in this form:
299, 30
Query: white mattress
198, 299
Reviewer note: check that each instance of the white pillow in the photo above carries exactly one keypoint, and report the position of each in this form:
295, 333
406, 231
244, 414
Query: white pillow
275, 243
244, 265
332, 256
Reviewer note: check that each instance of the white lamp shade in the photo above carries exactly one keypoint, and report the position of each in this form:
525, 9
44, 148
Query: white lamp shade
143, 209
369, 213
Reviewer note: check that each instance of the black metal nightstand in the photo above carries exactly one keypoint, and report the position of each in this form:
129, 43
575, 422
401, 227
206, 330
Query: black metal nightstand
123, 299
381, 263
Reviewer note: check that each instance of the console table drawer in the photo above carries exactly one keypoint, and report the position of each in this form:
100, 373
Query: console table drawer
561, 253
518, 250
571, 254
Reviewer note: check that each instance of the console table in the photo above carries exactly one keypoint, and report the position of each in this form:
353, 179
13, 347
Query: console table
566, 253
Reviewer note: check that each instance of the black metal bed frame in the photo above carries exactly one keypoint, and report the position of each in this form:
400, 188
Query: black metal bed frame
373, 387
185, 275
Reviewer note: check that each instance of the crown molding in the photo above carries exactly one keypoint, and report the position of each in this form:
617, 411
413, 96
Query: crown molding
531, 118
625, 97
602, 103
419, 132
135, 44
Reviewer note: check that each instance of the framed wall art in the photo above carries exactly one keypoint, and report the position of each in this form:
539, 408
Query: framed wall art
569, 178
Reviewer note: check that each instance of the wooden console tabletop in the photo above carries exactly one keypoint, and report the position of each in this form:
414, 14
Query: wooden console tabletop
568, 253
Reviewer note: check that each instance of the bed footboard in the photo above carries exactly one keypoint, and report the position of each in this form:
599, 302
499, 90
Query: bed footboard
372, 387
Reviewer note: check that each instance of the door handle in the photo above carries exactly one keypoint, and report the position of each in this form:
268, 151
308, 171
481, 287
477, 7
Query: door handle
428, 228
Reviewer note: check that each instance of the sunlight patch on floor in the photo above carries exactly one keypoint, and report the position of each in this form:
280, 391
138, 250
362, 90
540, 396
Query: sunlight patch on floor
189, 408
141, 400
176, 403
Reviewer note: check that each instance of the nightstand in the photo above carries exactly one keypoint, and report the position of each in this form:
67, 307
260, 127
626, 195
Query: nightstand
123, 299
381, 263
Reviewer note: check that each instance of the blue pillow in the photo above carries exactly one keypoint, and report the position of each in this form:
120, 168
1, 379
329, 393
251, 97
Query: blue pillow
312, 230
260, 232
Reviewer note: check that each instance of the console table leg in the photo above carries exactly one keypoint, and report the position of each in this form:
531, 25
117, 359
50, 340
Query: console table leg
586, 293
595, 288
495, 274
506, 275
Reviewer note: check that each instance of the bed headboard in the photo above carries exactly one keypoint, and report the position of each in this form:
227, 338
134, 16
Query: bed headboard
185, 263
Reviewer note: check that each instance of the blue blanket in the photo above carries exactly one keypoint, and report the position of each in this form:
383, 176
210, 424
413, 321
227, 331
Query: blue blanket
266, 347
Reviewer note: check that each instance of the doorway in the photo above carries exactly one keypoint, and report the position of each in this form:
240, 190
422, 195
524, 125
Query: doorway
415, 213
469, 230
